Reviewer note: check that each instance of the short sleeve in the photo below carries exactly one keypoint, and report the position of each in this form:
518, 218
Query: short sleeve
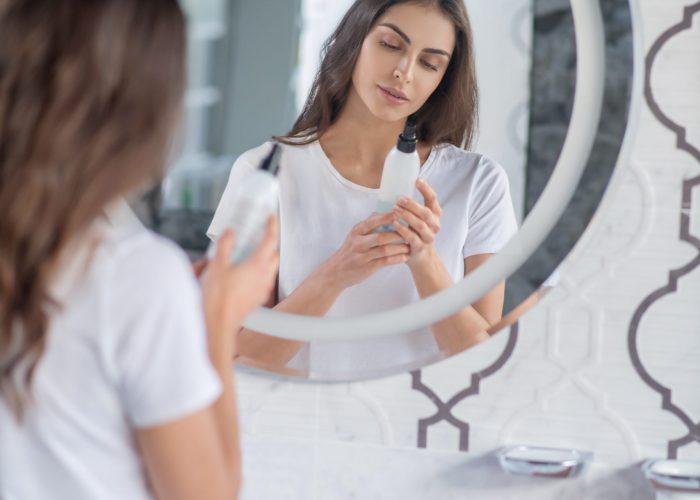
160, 349
244, 165
492, 221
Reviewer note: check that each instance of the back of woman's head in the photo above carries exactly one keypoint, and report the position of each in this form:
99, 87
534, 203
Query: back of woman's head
450, 114
89, 93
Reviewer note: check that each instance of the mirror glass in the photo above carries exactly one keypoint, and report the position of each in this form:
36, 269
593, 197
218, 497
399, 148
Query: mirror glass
246, 84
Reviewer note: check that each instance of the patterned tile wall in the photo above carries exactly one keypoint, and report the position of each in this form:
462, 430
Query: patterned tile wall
607, 362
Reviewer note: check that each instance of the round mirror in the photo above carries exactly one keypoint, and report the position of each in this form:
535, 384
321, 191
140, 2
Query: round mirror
245, 88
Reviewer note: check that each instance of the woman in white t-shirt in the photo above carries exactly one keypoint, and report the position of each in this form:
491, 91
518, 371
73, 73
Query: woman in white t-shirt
115, 372
386, 61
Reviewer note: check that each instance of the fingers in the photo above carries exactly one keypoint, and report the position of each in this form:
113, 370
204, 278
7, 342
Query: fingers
429, 196
224, 246
389, 261
409, 236
269, 243
418, 225
266, 252
420, 211
386, 251
372, 222
272, 272
373, 240
199, 266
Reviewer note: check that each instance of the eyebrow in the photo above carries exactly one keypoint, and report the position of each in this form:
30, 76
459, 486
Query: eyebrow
408, 40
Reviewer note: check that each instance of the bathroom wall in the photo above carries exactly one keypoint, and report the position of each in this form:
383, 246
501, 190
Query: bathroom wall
607, 362
262, 55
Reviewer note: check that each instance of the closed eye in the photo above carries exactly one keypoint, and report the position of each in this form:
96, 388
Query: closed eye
429, 66
388, 45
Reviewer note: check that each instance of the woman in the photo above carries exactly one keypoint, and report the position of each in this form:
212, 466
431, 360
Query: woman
115, 382
386, 61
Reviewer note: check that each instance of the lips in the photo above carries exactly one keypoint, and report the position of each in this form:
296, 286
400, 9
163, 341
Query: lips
393, 93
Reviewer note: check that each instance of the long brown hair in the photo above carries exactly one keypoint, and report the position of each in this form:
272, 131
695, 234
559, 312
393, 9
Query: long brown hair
89, 95
448, 116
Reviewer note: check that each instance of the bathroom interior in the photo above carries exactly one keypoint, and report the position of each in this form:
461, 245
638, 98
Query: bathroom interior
590, 387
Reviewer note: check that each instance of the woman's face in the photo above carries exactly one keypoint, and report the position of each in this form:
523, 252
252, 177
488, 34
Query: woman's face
403, 60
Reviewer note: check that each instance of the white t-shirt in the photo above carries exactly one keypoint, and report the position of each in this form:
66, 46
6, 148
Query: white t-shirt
126, 350
318, 208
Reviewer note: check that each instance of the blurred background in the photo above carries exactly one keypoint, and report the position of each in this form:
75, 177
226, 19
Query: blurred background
240, 91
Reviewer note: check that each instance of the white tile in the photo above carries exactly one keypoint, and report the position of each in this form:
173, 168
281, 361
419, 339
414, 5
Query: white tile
279, 469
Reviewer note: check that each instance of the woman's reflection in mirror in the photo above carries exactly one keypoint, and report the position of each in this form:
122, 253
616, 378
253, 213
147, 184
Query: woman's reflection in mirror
386, 61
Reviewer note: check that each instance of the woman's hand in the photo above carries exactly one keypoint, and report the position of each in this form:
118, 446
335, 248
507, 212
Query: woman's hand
230, 292
199, 266
423, 225
363, 253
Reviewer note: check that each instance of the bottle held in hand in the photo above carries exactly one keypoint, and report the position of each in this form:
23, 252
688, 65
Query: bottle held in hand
253, 202
400, 173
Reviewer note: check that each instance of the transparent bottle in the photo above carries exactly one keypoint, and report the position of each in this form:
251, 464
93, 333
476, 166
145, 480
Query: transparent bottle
400, 173
252, 203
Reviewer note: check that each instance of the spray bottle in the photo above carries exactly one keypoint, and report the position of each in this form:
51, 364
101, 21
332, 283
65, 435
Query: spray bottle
400, 173
252, 203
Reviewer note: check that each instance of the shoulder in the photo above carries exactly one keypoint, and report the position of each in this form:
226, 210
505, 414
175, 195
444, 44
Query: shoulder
249, 159
459, 164
145, 247
296, 154
143, 266
255, 155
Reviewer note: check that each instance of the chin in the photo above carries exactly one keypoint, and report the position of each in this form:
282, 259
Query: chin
388, 114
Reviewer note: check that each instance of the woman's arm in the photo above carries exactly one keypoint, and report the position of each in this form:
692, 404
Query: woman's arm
361, 255
198, 456
469, 325
189, 459
314, 297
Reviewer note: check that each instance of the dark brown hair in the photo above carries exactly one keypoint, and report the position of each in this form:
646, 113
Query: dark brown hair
448, 116
89, 95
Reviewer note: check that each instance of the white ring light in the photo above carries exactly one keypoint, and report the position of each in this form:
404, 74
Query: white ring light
588, 102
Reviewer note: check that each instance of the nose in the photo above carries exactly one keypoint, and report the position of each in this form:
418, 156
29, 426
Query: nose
404, 70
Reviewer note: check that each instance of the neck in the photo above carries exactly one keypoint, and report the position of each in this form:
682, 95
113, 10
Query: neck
357, 134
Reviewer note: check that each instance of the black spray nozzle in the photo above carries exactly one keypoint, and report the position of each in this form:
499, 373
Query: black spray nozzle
409, 131
271, 162
407, 139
